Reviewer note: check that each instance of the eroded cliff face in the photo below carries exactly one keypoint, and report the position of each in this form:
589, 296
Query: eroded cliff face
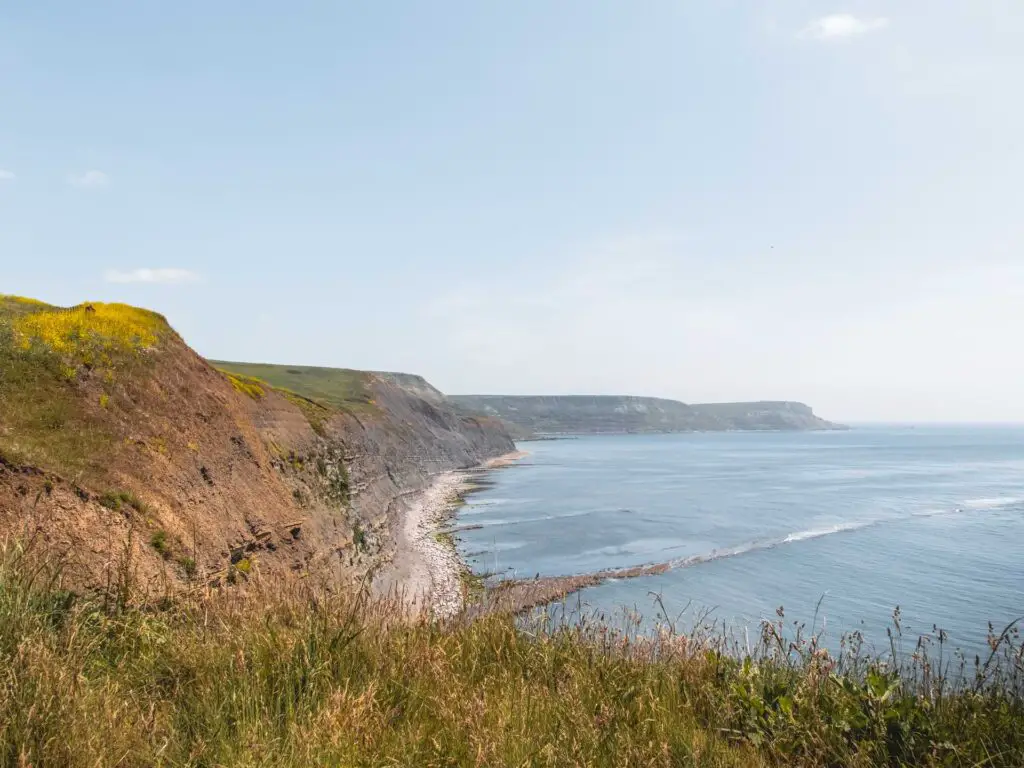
397, 451
146, 465
395, 432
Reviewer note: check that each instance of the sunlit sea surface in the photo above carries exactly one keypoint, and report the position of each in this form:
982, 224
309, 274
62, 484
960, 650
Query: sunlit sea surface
844, 526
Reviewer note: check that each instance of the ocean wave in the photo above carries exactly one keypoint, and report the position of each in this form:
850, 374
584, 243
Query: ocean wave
488, 502
817, 533
771, 543
635, 547
500, 522
996, 502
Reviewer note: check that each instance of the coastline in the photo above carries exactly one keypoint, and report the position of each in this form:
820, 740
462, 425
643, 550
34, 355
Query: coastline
430, 569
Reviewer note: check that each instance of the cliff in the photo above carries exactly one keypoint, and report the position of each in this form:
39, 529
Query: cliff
765, 415
133, 458
414, 384
580, 414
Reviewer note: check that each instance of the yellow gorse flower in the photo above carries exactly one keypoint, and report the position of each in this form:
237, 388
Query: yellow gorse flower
247, 385
89, 331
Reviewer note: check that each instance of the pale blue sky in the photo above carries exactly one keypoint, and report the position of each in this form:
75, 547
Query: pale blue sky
701, 200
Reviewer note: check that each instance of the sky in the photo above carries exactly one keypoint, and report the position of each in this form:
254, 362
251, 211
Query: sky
708, 201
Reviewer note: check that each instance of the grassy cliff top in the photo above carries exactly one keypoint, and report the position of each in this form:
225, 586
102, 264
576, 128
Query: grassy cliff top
87, 334
336, 387
60, 370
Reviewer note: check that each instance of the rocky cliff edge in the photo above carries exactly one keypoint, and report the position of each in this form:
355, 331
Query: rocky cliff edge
131, 459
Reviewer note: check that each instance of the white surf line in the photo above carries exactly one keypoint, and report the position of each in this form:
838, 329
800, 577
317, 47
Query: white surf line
970, 506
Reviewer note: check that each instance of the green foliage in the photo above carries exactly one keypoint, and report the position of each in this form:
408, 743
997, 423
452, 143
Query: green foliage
358, 537
115, 500
328, 387
341, 486
246, 385
110, 501
336, 478
316, 414
159, 542
48, 357
188, 565
17, 307
45, 424
92, 334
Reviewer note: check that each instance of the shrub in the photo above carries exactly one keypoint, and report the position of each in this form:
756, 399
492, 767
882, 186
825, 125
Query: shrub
110, 500
159, 542
358, 537
115, 500
91, 334
188, 565
246, 385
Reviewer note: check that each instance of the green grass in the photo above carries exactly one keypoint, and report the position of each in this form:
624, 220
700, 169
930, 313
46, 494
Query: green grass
293, 676
50, 359
188, 565
358, 537
16, 307
316, 414
158, 541
43, 420
250, 386
335, 387
116, 500
91, 334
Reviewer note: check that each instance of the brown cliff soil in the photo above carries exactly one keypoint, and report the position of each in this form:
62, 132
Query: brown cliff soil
135, 461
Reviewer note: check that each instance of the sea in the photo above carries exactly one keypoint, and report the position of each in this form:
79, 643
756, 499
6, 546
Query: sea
836, 529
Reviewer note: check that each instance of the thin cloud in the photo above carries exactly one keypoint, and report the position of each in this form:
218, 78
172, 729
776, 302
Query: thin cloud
7, 175
839, 26
167, 276
89, 180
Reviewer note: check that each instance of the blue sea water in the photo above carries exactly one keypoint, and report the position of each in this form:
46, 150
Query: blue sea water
930, 519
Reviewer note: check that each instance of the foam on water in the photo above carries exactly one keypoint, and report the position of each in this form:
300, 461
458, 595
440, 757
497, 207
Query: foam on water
817, 533
997, 502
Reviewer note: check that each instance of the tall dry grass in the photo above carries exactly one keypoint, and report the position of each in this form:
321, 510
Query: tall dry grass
296, 676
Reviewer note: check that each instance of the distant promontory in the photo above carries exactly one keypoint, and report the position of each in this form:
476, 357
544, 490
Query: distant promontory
544, 415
